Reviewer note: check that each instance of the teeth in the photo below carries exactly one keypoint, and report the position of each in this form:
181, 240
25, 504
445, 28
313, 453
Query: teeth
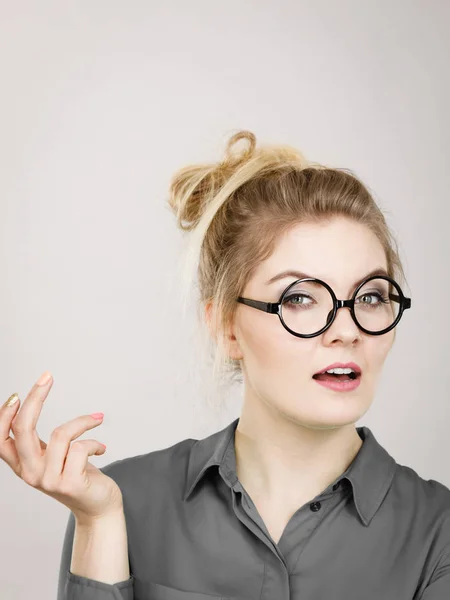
340, 371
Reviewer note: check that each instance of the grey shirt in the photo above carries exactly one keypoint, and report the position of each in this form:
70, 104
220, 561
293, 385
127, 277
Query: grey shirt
379, 531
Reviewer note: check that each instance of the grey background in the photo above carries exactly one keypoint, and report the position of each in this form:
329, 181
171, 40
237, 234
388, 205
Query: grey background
101, 101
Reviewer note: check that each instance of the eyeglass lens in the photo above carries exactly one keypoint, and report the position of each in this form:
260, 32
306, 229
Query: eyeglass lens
307, 306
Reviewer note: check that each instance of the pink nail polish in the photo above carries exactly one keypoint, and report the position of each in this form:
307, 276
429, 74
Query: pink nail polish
98, 416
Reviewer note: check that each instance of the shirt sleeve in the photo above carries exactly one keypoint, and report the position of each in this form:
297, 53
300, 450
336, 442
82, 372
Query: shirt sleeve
439, 585
75, 587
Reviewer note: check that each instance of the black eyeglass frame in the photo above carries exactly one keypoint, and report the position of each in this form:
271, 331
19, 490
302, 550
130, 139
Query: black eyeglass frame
275, 307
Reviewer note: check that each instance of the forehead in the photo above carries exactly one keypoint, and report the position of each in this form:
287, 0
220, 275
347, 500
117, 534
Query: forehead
337, 251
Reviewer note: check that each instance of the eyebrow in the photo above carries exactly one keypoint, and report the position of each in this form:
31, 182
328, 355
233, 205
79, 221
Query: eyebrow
300, 275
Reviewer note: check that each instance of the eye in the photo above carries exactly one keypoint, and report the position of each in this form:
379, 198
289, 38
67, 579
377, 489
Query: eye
289, 300
382, 299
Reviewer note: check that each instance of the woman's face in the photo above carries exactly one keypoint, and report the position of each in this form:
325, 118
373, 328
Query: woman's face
278, 366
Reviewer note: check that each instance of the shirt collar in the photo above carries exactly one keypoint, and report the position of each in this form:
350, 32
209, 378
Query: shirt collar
370, 473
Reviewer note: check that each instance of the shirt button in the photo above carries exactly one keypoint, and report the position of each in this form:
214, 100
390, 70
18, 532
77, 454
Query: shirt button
336, 485
315, 506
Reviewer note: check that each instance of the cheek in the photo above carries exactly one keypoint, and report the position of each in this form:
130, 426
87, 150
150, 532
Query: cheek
270, 349
377, 350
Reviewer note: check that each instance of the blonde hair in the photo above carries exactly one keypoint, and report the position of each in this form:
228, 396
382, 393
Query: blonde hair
238, 208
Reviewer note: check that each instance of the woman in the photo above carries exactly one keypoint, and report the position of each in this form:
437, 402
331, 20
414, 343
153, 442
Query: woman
301, 286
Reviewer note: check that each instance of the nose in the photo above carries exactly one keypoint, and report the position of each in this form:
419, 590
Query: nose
343, 326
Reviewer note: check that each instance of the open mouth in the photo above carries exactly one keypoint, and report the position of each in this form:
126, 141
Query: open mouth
336, 376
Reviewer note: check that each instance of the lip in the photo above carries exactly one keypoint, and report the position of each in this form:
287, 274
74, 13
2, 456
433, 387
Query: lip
341, 386
350, 365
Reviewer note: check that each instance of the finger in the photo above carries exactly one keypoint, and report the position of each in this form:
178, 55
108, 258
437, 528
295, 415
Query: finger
23, 426
7, 447
77, 458
72, 484
60, 443
8, 450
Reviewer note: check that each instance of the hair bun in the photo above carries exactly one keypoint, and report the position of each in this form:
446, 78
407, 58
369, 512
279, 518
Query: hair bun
232, 159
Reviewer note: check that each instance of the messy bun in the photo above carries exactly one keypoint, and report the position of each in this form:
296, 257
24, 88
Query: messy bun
193, 187
236, 210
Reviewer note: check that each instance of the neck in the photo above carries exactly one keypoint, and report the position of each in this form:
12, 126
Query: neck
282, 460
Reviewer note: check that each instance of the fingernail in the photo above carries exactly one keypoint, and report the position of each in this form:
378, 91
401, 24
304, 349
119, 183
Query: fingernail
12, 400
44, 378
97, 415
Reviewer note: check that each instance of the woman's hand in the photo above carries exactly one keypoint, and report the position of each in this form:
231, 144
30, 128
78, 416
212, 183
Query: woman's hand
60, 469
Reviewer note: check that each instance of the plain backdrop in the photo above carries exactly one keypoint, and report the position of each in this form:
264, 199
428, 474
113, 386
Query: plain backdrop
101, 101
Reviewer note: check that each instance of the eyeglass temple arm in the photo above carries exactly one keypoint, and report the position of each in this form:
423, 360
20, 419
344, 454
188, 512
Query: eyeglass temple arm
270, 307
407, 301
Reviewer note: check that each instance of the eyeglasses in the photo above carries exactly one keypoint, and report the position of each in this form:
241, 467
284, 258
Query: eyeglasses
318, 306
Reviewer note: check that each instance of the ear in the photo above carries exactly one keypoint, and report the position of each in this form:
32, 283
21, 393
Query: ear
208, 318
233, 347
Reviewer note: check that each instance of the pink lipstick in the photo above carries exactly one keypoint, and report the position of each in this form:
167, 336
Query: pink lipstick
339, 382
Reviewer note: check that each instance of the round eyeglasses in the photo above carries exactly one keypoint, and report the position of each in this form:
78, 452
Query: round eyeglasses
309, 306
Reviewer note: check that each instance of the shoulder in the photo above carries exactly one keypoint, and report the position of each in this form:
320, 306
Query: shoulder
427, 493
425, 503
152, 474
